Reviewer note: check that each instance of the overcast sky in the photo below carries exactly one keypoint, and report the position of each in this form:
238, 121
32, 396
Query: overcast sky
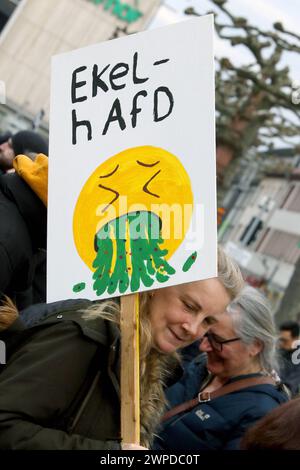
262, 13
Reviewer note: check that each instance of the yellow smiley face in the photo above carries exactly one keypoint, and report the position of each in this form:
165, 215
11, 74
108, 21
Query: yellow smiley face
142, 178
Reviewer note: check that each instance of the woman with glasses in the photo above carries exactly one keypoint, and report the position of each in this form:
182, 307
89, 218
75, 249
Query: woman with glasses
230, 385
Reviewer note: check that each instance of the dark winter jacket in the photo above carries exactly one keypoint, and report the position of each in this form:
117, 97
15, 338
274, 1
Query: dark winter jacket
23, 227
219, 423
60, 388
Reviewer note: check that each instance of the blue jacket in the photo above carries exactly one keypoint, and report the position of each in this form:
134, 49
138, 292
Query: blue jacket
218, 424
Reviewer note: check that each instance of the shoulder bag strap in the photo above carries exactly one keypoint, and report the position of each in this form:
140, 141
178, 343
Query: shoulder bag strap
208, 396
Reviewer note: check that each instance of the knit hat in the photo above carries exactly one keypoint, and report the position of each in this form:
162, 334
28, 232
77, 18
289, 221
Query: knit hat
28, 141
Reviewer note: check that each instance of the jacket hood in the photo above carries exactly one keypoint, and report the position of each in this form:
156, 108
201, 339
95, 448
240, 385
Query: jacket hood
103, 332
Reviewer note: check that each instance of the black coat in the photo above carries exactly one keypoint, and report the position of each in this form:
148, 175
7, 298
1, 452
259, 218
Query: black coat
289, 369
23, 228
60, 389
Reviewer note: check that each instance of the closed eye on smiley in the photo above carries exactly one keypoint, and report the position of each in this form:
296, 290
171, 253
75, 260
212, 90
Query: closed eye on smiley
145, 187
109, 189
118, 231
149, 165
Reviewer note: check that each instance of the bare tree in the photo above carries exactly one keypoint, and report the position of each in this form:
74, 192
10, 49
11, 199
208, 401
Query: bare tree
253, 102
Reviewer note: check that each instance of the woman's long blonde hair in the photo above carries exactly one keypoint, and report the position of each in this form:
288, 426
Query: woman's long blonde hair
156, 367
8, 313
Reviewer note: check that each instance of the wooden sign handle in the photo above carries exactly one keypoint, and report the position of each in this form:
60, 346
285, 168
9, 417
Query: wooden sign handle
130, 376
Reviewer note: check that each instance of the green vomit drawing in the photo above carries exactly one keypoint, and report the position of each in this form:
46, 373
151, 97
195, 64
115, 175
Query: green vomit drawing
129, 254
79, 287
189, 262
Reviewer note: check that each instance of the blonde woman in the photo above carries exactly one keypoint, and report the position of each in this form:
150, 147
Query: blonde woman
60, 389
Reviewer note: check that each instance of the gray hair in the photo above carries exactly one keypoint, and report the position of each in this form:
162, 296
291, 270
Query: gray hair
252, 320
229, 274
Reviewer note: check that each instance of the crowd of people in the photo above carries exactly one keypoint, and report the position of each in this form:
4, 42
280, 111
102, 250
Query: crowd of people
214, 372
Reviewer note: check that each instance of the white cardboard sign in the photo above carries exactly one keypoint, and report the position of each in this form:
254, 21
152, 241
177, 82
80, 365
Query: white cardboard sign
132, 203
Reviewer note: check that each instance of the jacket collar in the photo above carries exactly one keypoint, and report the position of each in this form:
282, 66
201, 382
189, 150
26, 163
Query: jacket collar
101, 331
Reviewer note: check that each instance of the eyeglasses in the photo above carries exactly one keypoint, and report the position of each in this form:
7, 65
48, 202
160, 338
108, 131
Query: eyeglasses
217, 344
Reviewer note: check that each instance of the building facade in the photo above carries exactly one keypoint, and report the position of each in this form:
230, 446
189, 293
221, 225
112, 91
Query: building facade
35, 30
262, 229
